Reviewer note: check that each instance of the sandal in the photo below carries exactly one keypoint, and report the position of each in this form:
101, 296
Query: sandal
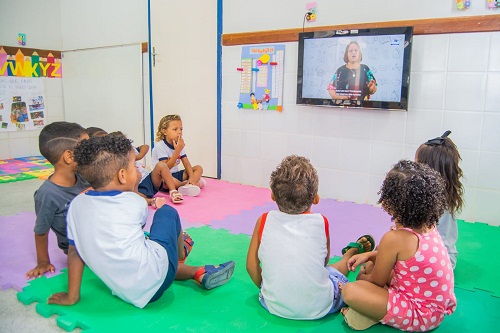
188, 246
360, 246
175, 196
215, 276
356, 320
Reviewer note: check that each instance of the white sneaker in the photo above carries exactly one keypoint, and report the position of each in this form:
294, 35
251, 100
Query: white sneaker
201, 183
189, 190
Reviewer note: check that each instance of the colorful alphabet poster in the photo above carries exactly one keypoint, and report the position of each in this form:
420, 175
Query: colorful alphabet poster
23, 62
22, 103
262, 73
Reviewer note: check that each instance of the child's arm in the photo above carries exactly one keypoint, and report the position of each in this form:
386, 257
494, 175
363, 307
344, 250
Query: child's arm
253, 262
327, 259
359, 259
387, 255
42, 257
178, 146
75, 272
143, 150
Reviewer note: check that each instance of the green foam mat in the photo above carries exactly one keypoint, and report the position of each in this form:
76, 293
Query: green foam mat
476, 255
234, 307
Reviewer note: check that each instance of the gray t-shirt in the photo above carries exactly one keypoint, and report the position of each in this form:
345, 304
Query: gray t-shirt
448, 229
51, 206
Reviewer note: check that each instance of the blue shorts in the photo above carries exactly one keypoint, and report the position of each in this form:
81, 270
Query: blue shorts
178, 175
165, 230
147, 188
336, 277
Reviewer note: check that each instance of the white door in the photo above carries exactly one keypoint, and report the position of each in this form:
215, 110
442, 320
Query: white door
103, 88
184, 74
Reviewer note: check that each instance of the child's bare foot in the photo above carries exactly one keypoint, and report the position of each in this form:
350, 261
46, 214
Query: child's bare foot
158, 202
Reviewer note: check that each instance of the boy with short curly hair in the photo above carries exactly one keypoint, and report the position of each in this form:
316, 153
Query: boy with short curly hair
291, 247
105, 232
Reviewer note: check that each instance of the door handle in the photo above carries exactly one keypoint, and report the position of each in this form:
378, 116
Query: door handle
154, 56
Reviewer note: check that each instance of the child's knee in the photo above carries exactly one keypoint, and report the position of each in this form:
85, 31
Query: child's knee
348, 290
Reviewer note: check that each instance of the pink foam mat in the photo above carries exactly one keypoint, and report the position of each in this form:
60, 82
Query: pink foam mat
219, 199
17, 250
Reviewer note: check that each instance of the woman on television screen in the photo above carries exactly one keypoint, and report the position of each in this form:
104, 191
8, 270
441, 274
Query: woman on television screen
354, 80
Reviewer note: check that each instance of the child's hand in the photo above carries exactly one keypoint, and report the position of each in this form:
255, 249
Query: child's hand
179, 144
61, 298
356, 260
39, 270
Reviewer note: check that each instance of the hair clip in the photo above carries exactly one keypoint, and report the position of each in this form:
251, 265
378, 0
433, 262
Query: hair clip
439, 140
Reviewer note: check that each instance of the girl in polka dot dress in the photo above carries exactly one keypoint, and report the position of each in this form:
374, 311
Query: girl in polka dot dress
408, 282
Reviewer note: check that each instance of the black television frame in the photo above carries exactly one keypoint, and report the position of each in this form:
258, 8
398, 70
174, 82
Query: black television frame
369, 104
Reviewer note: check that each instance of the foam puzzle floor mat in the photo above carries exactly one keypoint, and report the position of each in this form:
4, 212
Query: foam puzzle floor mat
234, 307
477, 257
16, 169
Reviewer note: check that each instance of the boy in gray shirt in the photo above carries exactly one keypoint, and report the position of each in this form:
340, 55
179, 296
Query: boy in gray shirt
56, 142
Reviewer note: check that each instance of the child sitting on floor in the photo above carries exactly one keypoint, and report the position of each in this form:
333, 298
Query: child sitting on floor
150, 182
105, 232
442, 155
169, 150
291, 247
407, 283
56, 142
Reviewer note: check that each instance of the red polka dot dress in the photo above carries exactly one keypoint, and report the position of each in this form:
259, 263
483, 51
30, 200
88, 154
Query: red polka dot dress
422, 288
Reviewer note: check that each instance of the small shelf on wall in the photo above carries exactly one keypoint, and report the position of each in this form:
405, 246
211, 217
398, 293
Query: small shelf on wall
447, 25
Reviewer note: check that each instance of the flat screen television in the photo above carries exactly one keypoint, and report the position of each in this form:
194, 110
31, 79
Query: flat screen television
365, 68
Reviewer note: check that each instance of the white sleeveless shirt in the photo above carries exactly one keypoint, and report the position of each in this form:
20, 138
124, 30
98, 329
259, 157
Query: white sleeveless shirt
292, 252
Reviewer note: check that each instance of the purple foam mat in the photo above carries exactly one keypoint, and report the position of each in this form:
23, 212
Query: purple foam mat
348, 221
17, 250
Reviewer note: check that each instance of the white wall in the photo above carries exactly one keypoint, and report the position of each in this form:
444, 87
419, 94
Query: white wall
240, 16
102, 23
28, 17
453, 82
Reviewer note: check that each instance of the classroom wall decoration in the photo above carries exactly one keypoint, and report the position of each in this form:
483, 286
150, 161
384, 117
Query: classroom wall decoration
22, 103
24, 62
262, 74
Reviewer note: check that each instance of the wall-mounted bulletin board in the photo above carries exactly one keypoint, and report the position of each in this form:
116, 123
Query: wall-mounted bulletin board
262, 74
22, 86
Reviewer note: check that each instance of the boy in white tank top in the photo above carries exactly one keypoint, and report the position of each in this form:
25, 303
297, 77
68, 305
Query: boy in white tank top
290, 248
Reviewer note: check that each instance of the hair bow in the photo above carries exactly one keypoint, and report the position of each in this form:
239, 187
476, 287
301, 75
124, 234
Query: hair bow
439, 140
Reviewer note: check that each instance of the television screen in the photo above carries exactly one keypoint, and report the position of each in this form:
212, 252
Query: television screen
365, 68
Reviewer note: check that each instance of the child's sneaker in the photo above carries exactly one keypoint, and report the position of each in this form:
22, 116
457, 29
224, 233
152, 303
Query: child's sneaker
212, 277
189, 190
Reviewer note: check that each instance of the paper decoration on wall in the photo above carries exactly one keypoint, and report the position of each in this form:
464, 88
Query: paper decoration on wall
22, 104
21, 39
262, 74
311, 11
492, 4
463, 4
27, 63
